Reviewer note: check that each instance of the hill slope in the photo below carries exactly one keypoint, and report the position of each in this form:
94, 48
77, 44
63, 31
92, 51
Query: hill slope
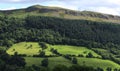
22, 48
99, 40
61, 13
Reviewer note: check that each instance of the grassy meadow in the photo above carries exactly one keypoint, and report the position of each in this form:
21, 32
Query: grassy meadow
33, 48
74, 50
53, 61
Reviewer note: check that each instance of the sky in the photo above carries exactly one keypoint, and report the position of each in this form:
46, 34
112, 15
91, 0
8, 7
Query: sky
102, 6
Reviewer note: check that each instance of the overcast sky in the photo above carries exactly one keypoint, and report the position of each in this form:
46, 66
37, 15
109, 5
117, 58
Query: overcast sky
103, 6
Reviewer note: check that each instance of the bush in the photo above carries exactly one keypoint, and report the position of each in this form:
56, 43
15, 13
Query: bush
42, 54
68, 57
74, 61
45, 62
80, 55
90, 55
43, 45
55, 51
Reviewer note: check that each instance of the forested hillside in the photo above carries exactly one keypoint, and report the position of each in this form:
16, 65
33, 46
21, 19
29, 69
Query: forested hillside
56, 35
58, 31
61, 31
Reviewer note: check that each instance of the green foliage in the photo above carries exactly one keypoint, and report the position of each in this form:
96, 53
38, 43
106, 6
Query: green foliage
111, 54
11, 63
58, 31
17, 60
42, 54
43, 45
90, 55
74, 61
67, 56
91, 34
90, 31
45, 62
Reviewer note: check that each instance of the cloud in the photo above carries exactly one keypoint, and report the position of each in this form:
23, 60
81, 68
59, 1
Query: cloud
103, 6
23, 1
60, 4
117, 2
10, 8
16, 0
10, 1
114, 11
106, 10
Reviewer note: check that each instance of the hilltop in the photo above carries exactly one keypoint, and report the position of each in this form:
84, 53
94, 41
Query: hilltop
61, 13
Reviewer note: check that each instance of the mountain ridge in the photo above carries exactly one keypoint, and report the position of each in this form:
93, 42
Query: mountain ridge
61, 13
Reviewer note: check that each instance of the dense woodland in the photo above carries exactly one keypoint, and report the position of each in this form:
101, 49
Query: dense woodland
60, 31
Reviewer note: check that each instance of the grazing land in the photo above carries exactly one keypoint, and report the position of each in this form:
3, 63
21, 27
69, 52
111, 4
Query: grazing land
33, 48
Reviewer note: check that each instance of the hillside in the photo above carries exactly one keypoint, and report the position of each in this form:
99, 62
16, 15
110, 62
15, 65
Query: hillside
23, 48
90, 34
37, 37
61, 13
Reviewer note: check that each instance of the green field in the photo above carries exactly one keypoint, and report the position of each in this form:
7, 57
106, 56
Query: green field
73, 50
53, 61
24, 48
98, 63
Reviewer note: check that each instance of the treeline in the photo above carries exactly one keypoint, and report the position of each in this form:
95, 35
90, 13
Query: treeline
11, 63
58, 31
77, 29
